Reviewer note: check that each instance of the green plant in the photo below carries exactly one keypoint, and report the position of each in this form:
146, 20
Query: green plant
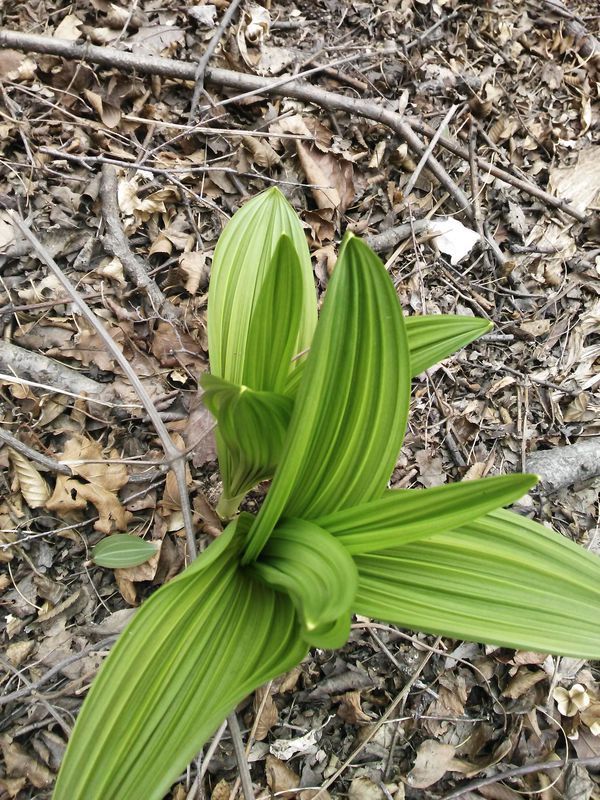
330, 539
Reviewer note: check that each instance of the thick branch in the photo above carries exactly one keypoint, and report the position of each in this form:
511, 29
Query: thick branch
564, 466
115, 242
154, 65
182, 70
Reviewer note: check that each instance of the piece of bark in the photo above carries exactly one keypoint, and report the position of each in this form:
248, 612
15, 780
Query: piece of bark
564, 466
32, 366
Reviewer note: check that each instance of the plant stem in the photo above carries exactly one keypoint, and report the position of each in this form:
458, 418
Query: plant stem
227, 507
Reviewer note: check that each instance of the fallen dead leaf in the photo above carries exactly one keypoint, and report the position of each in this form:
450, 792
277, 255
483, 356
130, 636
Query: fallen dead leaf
33, 487
433, 761
281, 778
363, 788
331, 175
269, 714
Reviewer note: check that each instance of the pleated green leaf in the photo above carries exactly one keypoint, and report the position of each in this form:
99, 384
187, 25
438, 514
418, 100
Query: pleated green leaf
251, 430
403, 515
122, 550
502, 579
430, 339
350, 412
316, 571
273, 331
433, 338
239, 270
191, 653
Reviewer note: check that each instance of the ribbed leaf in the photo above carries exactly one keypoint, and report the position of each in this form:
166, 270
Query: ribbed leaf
430, 339
350, 411
273, 331
122, 550
501, 579
239, 269
403, 515
315, 570
250, 433
190, 654
433, 338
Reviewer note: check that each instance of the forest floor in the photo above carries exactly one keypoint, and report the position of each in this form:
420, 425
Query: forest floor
511, 83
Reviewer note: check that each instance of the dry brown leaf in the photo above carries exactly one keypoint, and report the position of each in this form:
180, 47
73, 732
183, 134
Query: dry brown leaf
126, 587
20, 764
433, 761
332, 175
350, 709
363, 788
195, 269
536, 327
109, 112
261, 152
522, 682
33, 487
281, 778
431, 471
222, 791
269, 714
68, 28
103, 481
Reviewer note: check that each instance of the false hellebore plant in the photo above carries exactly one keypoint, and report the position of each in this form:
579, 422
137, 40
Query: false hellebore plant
330, 538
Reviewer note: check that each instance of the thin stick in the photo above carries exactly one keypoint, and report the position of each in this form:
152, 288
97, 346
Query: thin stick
289, 86
33, 455
32, 688
206, 56
430, 148
517, 771
173, 454
240, 755
398, 700
115, 242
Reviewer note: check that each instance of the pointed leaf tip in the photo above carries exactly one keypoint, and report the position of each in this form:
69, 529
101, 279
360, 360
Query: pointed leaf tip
351, 408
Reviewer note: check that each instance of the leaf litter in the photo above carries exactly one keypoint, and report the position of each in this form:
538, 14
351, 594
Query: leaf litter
527, 97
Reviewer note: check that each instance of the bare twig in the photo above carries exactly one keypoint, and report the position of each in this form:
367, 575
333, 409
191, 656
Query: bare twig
27, 364
486, 166
249, 84
543, 766
33, 455
115, 242
240, 755
206, 56
430, 148
174, 456
291, 87
52, 711
392, 236
399, 700
32, 688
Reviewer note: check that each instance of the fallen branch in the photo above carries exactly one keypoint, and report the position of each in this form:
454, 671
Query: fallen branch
290, 87
587, 44
116, 244
393, 236
33, 455
183, 70
206, 56
564, 466
174, 456
487, 166
516, 772
36, 367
